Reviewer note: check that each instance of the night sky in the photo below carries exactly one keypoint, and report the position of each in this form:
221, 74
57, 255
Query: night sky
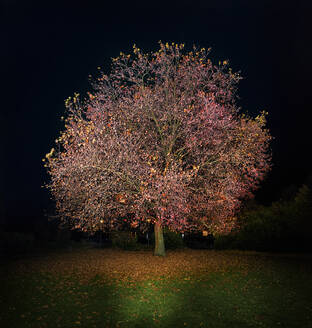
49, 50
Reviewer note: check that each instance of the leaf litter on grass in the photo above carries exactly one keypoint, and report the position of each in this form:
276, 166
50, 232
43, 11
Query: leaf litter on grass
137, 266
77, 276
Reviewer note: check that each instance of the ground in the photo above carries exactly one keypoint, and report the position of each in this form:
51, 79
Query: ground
187, 288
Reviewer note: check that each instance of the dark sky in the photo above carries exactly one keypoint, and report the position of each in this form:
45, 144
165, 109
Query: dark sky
48, 51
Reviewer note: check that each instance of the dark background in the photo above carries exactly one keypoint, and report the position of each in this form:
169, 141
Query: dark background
48, 51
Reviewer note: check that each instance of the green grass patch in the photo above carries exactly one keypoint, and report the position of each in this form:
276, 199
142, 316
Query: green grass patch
224, 289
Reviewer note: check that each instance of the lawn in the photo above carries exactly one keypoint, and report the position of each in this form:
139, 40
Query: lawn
187, 288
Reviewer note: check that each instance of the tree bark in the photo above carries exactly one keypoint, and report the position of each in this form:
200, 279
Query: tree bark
159, 240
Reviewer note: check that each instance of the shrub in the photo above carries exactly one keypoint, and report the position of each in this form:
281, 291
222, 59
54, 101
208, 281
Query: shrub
124, 240
225, 242
173, 240
196, 240
283, 226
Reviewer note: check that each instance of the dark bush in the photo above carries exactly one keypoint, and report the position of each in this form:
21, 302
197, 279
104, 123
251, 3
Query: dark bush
196, 240
283, 226
225, 242
124, 240
173, 240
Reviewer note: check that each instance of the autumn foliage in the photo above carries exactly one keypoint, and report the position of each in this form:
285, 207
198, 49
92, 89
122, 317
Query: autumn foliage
162, 138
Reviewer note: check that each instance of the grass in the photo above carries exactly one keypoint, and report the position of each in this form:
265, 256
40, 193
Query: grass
188, 288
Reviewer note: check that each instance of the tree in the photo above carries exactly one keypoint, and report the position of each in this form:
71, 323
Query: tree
161, 138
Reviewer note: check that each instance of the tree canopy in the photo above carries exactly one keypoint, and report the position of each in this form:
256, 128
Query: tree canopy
160, 137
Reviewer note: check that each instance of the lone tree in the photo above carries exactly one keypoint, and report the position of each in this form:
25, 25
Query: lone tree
160, 138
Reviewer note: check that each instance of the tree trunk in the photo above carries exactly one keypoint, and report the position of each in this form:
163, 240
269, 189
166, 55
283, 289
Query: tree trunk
159, 240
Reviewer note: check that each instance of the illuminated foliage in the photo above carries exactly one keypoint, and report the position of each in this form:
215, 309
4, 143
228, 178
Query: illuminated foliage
161, 137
